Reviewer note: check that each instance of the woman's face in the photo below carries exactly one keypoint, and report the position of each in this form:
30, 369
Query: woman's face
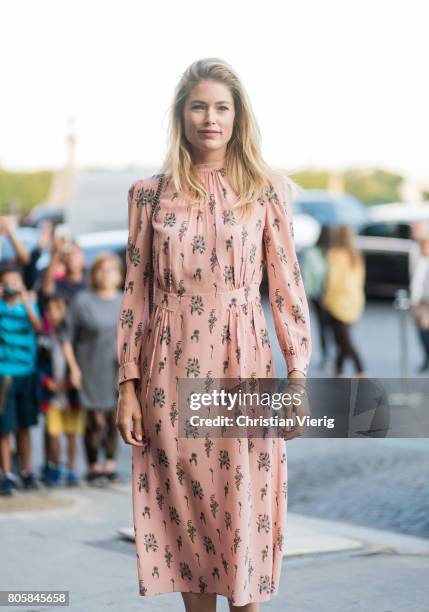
209, 106
75, 259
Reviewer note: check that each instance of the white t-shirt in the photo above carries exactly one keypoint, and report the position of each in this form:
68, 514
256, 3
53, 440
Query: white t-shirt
419, 286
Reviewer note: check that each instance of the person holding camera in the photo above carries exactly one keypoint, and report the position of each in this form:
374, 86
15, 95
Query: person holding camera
20, 321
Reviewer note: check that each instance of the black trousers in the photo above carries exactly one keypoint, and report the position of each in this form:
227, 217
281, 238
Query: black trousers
324, 323
344, 345
97, 436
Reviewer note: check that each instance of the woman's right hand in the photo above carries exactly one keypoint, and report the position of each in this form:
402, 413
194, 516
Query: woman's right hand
129, 418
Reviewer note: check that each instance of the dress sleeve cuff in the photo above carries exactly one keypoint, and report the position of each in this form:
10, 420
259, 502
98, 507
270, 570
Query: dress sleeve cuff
128, 371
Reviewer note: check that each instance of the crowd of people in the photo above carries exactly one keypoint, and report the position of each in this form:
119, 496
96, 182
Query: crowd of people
58, 352
58, 360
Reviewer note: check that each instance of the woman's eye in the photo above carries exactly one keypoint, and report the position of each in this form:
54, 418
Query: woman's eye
201, 106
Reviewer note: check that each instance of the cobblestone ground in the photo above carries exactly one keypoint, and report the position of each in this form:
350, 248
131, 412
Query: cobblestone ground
377, 483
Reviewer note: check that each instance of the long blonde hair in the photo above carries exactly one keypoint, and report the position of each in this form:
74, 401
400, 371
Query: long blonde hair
245, 167
342, 237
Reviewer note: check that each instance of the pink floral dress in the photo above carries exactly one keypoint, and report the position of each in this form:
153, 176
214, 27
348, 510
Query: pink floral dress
209, 513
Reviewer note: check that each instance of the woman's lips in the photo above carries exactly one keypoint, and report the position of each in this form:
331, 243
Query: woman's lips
210, 133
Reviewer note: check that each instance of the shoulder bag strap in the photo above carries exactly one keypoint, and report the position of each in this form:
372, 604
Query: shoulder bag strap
154, 208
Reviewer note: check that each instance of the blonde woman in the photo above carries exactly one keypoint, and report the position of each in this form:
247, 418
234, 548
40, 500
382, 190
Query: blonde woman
209, 513
344, 297
92, 320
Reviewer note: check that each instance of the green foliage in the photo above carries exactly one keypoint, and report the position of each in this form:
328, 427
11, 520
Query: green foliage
373, 186
20, 191
370, 186
312, 179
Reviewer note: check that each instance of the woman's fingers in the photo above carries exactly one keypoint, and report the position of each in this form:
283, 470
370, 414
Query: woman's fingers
138, 428
127, 434
129, 423
291, 433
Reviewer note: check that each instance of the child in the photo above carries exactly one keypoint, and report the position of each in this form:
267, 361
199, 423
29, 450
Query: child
20, 321
59, 377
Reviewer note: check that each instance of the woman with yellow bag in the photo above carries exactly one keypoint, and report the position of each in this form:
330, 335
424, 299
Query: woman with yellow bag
344, 297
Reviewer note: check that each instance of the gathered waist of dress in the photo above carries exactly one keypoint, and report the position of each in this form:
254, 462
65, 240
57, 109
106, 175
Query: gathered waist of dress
199, 302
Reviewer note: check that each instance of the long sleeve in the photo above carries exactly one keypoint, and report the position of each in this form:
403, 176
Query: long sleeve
29, 270
134, 311
289, 304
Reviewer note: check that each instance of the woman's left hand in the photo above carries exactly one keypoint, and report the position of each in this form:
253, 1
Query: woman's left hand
76, 377
298, 407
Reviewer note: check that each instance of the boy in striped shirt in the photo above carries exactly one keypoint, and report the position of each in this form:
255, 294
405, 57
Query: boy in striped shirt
20, 322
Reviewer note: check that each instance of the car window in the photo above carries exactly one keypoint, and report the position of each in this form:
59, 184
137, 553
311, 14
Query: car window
404, 230
387, 230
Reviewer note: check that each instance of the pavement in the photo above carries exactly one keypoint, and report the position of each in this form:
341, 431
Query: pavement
79, 540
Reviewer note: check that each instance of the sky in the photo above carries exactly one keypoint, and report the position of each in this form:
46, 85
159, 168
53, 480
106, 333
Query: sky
333, 83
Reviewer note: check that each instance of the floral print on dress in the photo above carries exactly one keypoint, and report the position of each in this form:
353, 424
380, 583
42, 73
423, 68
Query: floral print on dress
209, 513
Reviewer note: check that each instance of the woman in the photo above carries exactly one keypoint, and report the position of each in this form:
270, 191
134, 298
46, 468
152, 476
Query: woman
92, 319
419, 298
208, 514
344, 297
314, 277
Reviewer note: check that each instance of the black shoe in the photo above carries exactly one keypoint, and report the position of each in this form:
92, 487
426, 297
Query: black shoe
112, 477
7, 486
29, 482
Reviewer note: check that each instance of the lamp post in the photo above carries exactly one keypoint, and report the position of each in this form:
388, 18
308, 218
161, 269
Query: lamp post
402, 305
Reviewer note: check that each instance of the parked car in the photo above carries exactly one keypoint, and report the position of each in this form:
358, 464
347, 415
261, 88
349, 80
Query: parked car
331, 208
306, 231
41, 213
386, 241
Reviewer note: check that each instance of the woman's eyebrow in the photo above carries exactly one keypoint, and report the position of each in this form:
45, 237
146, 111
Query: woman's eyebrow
220, 102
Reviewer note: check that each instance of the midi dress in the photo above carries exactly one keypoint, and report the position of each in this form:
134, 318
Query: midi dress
209, 513
91, 324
